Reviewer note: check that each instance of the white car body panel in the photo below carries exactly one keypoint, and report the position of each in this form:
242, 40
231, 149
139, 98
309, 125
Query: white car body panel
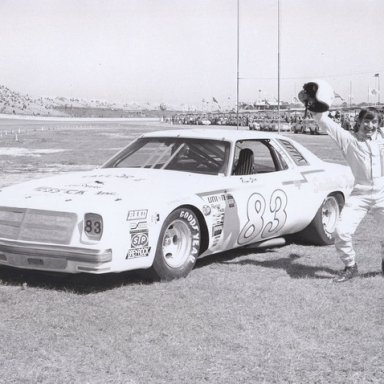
134, 202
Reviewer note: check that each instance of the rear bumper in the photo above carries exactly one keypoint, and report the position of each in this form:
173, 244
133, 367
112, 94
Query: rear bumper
53, 257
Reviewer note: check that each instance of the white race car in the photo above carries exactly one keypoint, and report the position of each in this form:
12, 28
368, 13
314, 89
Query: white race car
170, 197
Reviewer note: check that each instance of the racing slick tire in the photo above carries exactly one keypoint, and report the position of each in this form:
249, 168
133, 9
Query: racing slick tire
321, 230
178, 245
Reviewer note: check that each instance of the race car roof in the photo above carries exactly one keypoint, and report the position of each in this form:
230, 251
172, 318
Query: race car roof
214, 134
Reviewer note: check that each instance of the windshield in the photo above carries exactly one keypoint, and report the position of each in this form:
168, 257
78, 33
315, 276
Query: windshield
178, 154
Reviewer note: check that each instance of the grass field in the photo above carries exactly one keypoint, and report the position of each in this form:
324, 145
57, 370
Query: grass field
240, 317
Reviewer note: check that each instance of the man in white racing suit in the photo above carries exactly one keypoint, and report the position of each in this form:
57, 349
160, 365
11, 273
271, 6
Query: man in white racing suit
364, 152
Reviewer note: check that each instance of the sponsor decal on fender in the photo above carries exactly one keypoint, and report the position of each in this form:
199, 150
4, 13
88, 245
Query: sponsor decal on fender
60, 190
139, 240
231, 201
106, 193
219, 197
137, 214
69, 191
138, 252
217, 223
217, 230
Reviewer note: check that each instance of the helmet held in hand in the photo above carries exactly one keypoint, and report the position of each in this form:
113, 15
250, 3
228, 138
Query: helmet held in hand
317, 96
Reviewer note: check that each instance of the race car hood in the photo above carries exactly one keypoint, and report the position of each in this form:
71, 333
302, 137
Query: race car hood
104, 187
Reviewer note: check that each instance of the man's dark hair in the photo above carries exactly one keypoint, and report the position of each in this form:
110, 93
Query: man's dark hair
367, 113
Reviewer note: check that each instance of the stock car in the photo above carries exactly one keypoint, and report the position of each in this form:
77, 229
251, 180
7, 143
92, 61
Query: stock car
307, 126
170, 197
283, 126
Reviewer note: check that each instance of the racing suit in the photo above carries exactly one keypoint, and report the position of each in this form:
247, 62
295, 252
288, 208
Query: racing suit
366, 159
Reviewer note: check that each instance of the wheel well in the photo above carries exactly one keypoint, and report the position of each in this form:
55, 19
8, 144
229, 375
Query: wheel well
339, 197
203, 227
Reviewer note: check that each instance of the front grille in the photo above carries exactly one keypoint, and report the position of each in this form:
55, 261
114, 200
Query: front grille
37, 225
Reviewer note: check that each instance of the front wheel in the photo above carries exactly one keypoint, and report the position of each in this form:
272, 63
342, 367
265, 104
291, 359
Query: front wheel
178, 245
321, 230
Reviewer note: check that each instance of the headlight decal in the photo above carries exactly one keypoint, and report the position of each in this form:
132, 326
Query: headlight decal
93, 226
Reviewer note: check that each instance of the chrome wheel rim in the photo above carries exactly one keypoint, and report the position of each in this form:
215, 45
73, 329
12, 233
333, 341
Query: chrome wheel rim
176, 244
330, 215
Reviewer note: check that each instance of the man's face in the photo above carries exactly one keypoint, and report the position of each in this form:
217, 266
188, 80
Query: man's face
368, 127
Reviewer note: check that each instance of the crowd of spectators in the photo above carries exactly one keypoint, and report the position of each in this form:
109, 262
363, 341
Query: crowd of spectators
245, 119
249, 119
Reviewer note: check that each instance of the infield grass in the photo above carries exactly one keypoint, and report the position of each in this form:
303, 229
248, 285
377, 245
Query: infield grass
245, 316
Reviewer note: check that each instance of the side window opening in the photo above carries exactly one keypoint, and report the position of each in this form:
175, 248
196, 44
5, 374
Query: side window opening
256, 156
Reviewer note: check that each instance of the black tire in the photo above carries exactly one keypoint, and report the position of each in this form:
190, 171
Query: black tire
321, 230
178, 246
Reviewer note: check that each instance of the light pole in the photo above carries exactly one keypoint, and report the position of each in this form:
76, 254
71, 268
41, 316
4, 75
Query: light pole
377, 75
278, 66
238, 64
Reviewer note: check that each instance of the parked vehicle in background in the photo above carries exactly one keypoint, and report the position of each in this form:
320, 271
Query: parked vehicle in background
205, 121
255, 125
266, 125
307, 126
283, 126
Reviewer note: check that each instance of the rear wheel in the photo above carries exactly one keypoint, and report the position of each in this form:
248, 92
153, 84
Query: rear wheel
178, 245
321, 230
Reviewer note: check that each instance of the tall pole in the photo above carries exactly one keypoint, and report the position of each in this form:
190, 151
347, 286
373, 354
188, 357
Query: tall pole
278, 65
378, 89
238, 64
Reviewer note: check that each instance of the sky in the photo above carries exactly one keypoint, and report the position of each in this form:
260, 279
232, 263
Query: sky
185, 51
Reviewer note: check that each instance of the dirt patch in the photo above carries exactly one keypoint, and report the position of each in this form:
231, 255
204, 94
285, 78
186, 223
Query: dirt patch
16, 151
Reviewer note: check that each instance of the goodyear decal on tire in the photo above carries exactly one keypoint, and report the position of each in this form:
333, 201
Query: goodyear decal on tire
190, 219
195, 243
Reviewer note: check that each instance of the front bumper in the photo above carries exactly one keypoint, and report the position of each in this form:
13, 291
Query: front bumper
54, 257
